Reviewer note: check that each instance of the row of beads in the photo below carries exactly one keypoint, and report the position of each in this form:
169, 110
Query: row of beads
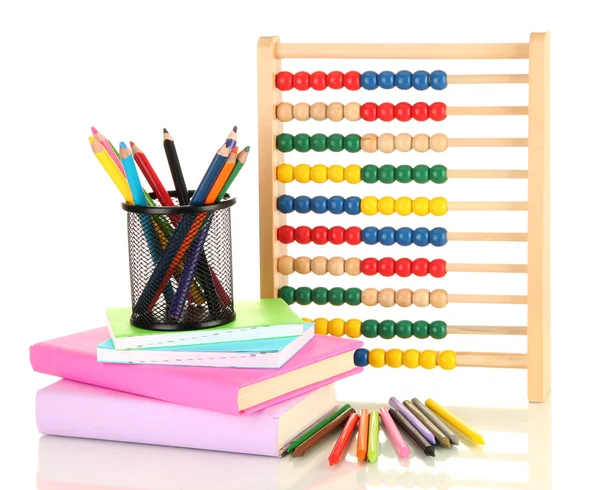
411, 358
404, 206
354, 143
369, 80
386, 329
353, 111
387, 297
354, 174
421, 237
337, 266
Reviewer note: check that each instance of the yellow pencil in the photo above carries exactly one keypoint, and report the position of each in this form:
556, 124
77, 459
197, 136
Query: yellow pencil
454, 421
111, 169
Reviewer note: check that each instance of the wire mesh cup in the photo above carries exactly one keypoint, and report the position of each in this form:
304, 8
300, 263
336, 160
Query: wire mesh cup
180, 265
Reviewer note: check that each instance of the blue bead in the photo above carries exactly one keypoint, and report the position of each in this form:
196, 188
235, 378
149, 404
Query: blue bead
302, 204
438, 237
318, 204
335, 204
420, 80
369, 235
404, 236
403, 80
386, 79
421, 237
361, 357
438, 80
352, 205
285, 204
368, 80
387, 235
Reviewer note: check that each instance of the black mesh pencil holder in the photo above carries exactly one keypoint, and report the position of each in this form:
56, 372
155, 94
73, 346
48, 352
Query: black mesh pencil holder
180, 265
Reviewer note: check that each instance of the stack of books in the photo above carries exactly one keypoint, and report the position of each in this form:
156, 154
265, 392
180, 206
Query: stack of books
250, 386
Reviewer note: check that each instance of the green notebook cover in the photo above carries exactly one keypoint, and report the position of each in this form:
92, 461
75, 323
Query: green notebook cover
255, 319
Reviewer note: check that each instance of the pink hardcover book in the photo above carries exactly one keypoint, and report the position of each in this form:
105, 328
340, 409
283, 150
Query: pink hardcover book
323, 360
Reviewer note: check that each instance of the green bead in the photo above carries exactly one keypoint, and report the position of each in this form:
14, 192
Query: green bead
285, 142
335, 296
319, 296
352, 143
437, 174
386, 329
437, 329
302, 142
404, 174
403, 329
368, 174
335, 142
420, 329
286, 293
302, 296
386, 174
318, 142
369, 328
420, 174
352, 296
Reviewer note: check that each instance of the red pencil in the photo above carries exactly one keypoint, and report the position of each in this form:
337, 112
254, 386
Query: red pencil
343, 440
151, 177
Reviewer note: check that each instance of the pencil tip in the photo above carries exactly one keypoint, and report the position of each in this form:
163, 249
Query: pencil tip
247, 149
165, 131
430, 451
235, 129
131, 143
229, 143
94, 130
122, 145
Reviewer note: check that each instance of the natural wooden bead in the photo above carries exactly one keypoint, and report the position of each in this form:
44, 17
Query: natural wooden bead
368, 143
420, 143
438, 298
421, 297
386, 297
385, 143
335, 111
318, 111
438, 142
302, 265
285, 111
403, 297
285, 265
352, 111
318, 265
403, 142
369, 297
352, 266
335, 266
301, 111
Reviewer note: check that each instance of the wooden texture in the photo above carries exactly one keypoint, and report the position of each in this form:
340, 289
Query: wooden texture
515, 268
458, 236
487, 206
487, 111
538, 285
491, 360
485, 330
486, 174
498, 299
487, 142
480, 79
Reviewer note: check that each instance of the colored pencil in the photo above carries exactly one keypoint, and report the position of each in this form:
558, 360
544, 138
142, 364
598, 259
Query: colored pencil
437, 433
413, 433
132, 176
98, 136
439, 423
373, 443
322, 433
343, 440
111, 169
150, 175
296, 442
211, 174
413, 420
284, 449
175, 167
363, 435
394, 434
222, 178
454, 421
239, 164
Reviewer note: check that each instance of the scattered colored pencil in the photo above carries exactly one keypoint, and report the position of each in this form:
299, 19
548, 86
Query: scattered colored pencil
363, 435
343, 440
453, 420
175, 167
98, 136
296, 442
310, 427
413, 433
441, 439
394, 434
413, 420
111, 169
373, 443
439, 423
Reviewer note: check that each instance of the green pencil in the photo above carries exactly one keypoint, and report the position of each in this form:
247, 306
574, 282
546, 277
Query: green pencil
373, 445
296, 442
241, 159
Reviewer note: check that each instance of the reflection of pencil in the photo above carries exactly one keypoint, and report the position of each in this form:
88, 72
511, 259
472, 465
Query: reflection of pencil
454, 421
111, 169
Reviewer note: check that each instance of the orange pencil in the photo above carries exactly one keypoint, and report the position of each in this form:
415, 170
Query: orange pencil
222, 178
363, 435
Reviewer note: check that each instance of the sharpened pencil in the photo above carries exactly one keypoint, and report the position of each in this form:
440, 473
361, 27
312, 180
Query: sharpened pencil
175, 167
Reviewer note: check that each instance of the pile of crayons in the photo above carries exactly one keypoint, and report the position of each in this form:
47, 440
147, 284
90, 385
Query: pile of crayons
427, 425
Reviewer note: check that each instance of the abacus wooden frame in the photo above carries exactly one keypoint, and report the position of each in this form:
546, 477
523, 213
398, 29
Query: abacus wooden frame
270, 53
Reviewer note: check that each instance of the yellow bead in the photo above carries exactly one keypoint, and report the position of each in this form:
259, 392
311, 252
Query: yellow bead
420, 206
403, 206
336, 327
368, 205
352, 328
427, 359
321, 326
285, 173
447, 359
318, 174
377, 358
302, 173
411, 358
438, 206
307, 320
393, 358
352, 174
335, 173
386, 205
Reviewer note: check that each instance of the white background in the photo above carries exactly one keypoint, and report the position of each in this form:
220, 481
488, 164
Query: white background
131, 68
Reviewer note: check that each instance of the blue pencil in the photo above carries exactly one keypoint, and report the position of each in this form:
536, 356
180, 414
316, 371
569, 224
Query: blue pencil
213, 171
133, 178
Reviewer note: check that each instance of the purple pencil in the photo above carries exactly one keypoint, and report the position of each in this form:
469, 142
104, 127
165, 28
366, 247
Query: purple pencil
415, 422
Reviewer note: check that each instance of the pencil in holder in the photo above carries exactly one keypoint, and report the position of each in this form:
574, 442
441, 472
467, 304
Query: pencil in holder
180, 265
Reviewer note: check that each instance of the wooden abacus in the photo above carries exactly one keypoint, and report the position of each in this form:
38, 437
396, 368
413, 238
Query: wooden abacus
276, 264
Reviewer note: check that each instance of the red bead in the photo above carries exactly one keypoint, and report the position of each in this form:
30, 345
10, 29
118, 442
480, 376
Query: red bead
420, 111
335, 80
336, 235
352, 235
402, 111
368, 111
386, 266
385, 111
284, 80
352, 80
437, 268
437, 111
301, 80
285, 234
368, 266
319, 235
403, 267
318, 80
302, 235
420, 267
